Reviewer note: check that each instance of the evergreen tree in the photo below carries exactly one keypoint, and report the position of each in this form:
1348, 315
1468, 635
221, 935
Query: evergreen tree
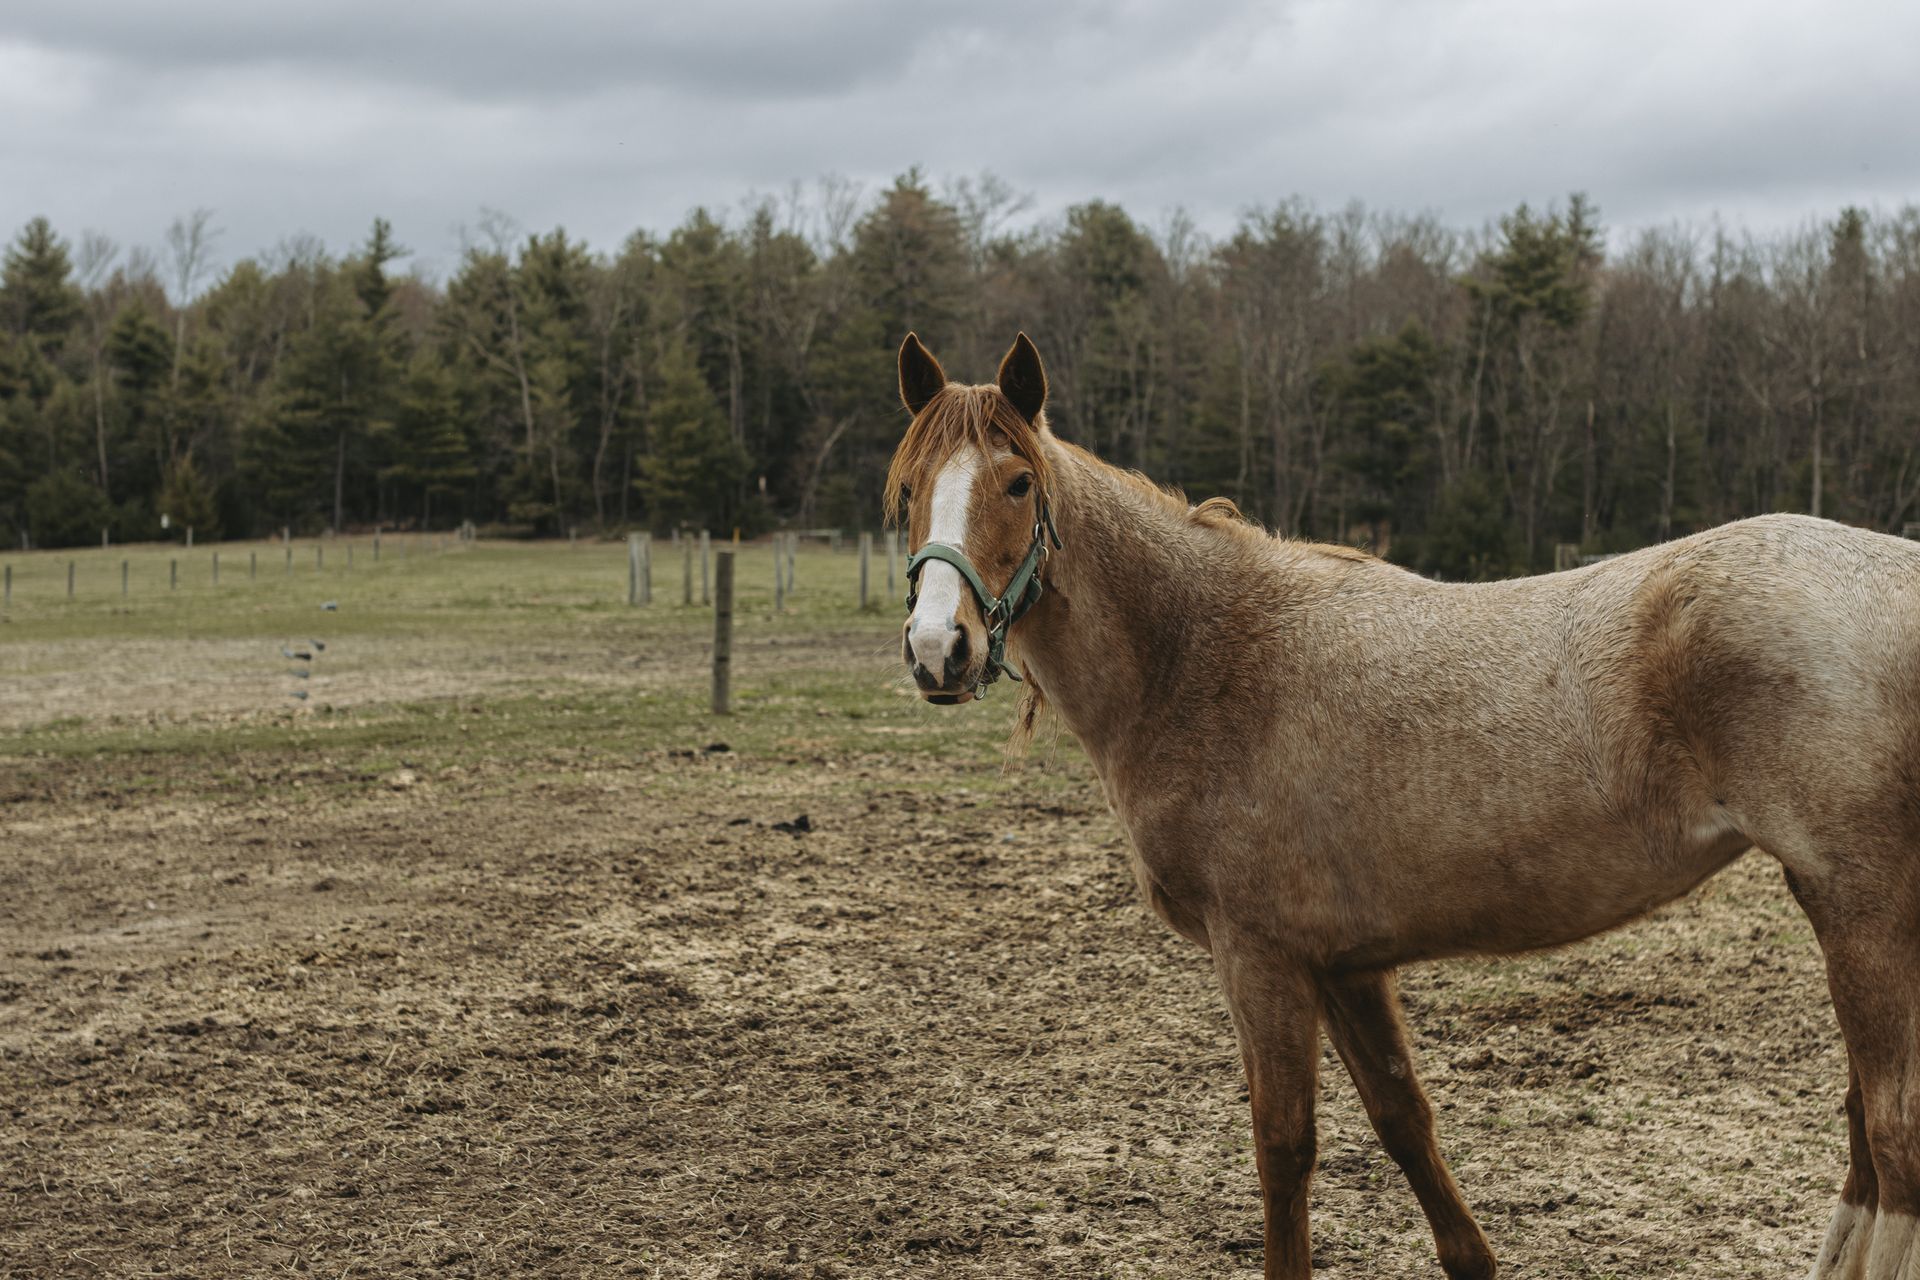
63, 510
435, 460
1381, 395
692, 466
39, 302
187, 502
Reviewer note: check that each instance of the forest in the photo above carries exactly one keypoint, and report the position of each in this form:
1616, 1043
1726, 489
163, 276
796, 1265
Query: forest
1460, 400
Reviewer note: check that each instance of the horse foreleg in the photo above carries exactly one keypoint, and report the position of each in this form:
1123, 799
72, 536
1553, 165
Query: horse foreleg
1363, 1019
1277, 1018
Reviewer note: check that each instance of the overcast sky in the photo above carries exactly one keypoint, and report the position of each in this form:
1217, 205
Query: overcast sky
117, 115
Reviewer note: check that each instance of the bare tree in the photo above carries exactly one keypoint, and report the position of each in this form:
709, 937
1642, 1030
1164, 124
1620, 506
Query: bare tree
97, 253
189, 259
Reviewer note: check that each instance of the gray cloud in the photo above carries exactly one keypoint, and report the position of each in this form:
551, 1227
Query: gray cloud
606, 117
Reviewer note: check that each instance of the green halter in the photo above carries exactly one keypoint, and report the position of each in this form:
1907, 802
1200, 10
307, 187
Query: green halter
1001, 611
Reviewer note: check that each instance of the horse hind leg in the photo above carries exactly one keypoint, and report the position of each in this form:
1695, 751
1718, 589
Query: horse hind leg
1364, 1022
1843, 1255
1871, 937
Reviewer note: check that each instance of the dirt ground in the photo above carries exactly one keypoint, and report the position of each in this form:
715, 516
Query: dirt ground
470, 1025
825, 1003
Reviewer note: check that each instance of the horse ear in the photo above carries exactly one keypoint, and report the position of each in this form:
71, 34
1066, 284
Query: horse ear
921, 376
1023, 379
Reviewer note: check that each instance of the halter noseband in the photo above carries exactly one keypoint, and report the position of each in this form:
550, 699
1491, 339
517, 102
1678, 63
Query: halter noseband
1002, 611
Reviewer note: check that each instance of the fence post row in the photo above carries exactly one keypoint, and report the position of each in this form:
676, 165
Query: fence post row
723, 635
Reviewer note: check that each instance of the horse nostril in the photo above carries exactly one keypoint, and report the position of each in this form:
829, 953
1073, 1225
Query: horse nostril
957, 658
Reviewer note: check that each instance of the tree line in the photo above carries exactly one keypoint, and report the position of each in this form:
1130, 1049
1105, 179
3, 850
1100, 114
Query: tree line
1460, 399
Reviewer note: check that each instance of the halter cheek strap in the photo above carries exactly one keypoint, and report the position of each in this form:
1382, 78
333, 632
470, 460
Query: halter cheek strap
1001, 611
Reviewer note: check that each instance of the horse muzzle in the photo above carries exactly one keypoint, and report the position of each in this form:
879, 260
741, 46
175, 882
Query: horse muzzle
945, 671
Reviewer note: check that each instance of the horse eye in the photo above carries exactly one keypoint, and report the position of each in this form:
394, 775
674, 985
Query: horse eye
1020, 485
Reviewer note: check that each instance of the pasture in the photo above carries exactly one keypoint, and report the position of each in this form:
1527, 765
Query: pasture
498, 953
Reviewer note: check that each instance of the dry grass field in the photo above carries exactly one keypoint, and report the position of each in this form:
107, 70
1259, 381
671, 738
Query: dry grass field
499, 955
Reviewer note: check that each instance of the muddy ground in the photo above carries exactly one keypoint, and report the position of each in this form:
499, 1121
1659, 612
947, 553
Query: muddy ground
487, 1023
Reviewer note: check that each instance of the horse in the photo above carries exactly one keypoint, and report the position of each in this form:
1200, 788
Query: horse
1329, 767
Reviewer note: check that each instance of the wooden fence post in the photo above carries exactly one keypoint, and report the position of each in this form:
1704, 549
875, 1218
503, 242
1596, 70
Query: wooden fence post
253, 565
216, 568
723, 634
686, 570
189, 537
893, 555
173, 575
706, 548
7, 601
289, 557
123, 579
633, 569
866, 555
779, 576
793, 542
69, 579
646, 568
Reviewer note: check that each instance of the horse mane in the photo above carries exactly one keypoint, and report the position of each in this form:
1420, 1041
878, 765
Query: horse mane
958, 416
1221, 516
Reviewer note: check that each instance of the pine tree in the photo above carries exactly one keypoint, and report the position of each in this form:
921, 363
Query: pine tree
187, 501
436, 461
38, 300
692, 466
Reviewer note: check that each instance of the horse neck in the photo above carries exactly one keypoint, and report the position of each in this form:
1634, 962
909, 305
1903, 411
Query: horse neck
1131, 601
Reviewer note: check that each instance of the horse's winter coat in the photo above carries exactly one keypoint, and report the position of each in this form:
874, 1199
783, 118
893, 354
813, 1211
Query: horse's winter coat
1330, 767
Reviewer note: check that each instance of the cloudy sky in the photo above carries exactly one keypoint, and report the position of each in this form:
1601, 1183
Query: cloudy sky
117, 115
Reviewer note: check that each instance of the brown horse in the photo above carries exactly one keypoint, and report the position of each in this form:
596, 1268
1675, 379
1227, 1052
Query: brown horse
1330, 767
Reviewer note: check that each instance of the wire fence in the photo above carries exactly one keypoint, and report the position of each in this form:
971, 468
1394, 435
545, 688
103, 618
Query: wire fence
145, 570
655, 566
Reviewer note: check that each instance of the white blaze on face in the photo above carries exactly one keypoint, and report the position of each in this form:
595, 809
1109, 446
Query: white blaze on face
933, 628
